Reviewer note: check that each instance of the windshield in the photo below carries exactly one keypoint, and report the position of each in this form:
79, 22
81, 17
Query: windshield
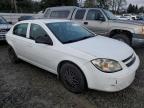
2, 21
110, 15
68, 32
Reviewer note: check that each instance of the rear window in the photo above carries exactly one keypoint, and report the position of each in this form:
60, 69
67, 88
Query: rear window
59, 14
80, 14
20, 30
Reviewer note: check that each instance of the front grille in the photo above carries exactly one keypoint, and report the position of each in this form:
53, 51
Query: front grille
125, 60
129, 61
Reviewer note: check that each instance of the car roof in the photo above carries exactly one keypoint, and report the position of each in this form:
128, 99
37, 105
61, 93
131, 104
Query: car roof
44, 21
71, 7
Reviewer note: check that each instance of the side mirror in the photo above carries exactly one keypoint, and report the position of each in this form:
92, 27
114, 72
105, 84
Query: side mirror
102, 19
44, 40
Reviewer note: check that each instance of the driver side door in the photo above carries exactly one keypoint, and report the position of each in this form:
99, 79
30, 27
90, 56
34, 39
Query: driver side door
96, 21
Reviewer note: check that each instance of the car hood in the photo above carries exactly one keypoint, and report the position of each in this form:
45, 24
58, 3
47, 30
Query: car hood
5, 26
134, 22
103, 47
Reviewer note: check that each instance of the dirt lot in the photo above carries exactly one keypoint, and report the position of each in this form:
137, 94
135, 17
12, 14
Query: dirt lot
26, 86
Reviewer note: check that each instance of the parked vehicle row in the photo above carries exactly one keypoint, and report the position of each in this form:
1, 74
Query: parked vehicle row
67, 42
79, 57
101, 22
130, 17
124, 18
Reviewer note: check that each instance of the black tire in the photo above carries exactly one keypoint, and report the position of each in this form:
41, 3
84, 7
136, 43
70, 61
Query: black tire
72, 78
123, 38
12, 55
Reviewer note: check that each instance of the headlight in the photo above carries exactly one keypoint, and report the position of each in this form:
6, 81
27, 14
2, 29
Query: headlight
107, 65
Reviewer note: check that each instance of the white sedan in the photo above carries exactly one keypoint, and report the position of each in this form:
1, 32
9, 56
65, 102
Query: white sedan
80, 58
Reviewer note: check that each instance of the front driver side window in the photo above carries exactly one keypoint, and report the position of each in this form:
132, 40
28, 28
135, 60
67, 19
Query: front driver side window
94, 15
36, 31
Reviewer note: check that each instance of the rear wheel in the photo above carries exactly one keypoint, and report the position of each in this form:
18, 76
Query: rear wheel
123, 38
12, 55
72, 78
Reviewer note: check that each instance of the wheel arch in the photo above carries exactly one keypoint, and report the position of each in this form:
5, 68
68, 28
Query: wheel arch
120, 31
12, 46
71, 62
128, 33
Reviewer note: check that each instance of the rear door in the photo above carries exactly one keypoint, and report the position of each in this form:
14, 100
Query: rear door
20, 39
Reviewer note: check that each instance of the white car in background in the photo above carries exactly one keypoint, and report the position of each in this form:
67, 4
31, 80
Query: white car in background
130, 16
80, 58
125, 18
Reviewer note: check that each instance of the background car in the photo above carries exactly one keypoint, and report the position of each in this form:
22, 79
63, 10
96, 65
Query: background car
4, 28
125, 18
141, 18
25, 18
80, 58
102, 22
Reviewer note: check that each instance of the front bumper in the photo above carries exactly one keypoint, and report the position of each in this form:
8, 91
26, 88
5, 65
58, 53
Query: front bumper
110, 82
138, 40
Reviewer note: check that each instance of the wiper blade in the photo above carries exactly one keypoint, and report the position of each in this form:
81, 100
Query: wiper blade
86, 37
70, 41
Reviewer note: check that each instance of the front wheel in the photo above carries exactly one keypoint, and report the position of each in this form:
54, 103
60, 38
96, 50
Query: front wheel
72, 78
122, 38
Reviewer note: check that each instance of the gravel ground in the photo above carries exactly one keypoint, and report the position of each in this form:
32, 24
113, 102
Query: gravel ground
26, 86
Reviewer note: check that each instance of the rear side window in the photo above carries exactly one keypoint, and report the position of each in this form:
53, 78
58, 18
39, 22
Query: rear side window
80, 14
59, 14
37, 31
20, 29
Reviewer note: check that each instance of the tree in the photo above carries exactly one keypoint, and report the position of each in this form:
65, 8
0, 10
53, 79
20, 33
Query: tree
5, 5
118, 5
26, 6
90, 3
104, 3
53, 3
133, 9
141, 9
136, 9
130, 9
115, 5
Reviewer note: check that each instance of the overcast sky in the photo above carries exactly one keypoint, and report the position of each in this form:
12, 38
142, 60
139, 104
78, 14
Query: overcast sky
138, 2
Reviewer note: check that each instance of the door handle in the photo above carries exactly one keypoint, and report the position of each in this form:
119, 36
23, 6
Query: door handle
86, 23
